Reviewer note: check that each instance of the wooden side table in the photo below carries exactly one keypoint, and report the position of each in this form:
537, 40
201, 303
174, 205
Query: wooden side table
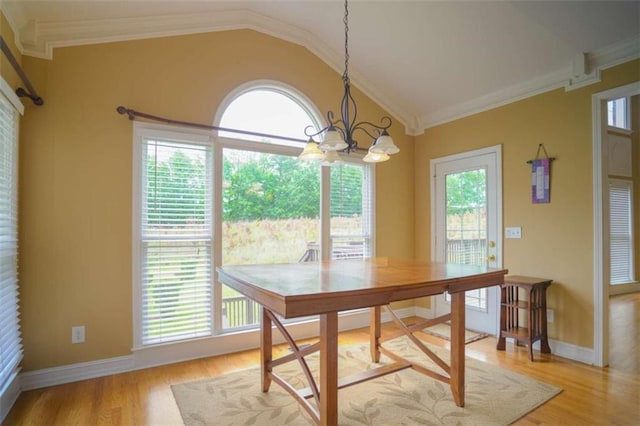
535, 306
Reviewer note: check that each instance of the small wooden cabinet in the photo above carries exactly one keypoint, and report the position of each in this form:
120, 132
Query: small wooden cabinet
534, 306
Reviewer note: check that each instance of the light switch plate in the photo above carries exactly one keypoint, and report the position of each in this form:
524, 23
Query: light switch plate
513, 232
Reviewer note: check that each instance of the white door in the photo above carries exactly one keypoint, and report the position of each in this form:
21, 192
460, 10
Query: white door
466, 200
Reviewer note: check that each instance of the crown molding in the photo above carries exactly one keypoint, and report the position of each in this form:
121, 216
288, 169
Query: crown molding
596, 61
39, 39
496, 99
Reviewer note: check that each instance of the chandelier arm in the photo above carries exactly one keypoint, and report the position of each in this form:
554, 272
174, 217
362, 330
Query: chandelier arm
310, 134
386, 123
362, 129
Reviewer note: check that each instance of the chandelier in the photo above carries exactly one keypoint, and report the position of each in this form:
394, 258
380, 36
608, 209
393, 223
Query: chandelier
339, 134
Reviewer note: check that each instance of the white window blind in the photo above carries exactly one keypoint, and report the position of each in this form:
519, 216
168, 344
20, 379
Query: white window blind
351, 210
176, 241
621, 231
10, 342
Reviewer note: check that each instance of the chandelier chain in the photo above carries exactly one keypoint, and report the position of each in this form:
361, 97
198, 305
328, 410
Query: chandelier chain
339, 133
345, 76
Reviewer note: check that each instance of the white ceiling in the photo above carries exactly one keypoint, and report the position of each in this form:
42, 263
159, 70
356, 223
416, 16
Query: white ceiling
427, 62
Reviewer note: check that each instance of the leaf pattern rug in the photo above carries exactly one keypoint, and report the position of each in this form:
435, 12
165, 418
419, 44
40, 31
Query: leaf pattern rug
494, 396
443, 331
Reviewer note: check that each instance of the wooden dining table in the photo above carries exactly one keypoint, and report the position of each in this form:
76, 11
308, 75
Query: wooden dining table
328, 287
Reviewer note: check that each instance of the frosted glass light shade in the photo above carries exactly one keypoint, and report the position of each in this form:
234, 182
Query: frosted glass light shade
384, 145
333, 140
373, 157
311, 152
331, 158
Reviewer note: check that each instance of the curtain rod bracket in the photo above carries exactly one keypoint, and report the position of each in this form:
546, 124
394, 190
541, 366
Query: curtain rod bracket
22, 93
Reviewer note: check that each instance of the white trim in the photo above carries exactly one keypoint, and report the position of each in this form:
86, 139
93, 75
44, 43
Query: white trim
38, 39
169, 354
173, 353
275, 86
569, 351
423, 312
618, 289
8, 396
143, 130
600, 243
495, 149
616, 54
75, 372
8, 92
505, 96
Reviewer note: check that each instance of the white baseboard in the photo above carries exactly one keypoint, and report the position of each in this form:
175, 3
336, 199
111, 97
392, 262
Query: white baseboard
567, 350
172, 353
8, 396
219, 345
75, 372
423, 312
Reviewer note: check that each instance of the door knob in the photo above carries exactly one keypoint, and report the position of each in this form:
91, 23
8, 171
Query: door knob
492, 244
491, 258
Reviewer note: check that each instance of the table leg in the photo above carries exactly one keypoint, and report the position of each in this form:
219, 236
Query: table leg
503, 319
544, 343
374, 330
457, 347
328, 412
266, 350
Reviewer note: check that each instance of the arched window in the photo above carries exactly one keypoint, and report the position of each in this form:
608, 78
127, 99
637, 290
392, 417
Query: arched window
204, 201
269, 109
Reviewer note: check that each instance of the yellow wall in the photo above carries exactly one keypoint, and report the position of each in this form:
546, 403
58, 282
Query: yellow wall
76, 171
557, 238
6, 70
75, 176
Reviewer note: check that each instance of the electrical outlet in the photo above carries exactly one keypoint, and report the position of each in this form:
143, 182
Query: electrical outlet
513, 232
549, 315
77, 334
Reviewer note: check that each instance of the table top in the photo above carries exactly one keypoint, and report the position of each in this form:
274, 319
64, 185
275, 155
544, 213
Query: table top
300, 289
525, 281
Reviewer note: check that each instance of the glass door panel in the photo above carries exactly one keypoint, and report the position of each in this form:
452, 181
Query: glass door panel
466, 198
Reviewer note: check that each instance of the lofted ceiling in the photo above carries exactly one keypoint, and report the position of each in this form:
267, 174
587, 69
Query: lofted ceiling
426, 62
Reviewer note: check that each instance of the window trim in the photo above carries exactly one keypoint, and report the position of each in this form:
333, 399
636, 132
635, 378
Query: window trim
10, 385
274, 86
627, 114
142, 130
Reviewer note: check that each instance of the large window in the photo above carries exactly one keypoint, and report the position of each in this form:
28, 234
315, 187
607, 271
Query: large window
204, 200
10, 342
176, 240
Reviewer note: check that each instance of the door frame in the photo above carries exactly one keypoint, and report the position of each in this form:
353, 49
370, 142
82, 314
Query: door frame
497, 151
600, 221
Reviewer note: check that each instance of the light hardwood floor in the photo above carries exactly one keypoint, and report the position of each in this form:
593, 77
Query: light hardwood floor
591, 396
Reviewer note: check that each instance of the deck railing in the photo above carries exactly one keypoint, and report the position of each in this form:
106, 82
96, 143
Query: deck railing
239, 311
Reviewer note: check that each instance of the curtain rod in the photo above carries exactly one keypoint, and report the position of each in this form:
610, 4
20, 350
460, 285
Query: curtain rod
132, 114
31, 94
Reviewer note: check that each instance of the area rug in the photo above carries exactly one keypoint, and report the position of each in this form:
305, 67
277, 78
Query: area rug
443, 331
493, 396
